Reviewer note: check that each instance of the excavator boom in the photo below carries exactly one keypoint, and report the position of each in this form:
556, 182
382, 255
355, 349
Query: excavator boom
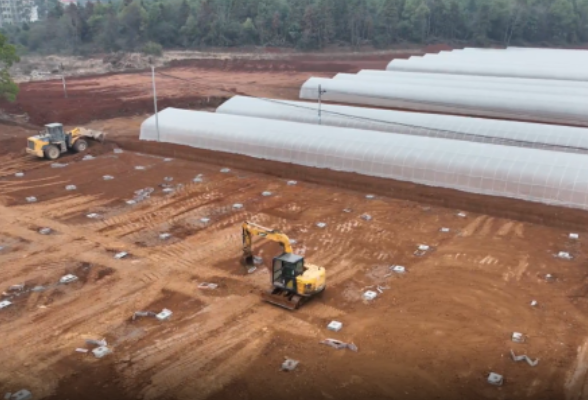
250, 229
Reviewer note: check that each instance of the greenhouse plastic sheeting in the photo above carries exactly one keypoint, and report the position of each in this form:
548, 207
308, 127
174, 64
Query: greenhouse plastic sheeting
529, 174
509, 105
500, 80
400, 78
542, 136
530, 70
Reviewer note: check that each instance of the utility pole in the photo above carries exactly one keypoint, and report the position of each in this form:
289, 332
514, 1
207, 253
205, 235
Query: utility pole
155, 100
63, 81
320, 94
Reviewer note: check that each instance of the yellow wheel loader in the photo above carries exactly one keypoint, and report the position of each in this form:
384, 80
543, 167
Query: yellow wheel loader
53, 141
293, 281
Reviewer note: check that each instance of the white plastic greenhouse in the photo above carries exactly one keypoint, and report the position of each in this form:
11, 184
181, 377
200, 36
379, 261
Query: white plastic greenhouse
529, 69
538, 107
529, 174
479, 84
552, 137
457, 79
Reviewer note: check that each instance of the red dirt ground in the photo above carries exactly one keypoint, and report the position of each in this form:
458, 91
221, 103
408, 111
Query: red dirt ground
211, 82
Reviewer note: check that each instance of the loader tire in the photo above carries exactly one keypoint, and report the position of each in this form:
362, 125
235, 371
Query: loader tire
80, 146
52, 152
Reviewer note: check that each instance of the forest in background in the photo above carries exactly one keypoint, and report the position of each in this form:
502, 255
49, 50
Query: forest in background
153, 25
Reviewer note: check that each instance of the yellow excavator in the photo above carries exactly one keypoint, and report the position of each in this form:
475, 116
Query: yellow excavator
53, 141
293, 281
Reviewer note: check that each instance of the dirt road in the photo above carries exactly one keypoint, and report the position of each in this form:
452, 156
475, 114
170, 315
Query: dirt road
434, 332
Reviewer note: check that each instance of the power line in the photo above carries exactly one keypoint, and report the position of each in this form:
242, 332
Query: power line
473, 138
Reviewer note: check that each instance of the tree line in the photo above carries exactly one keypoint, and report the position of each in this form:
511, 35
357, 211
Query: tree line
150, 25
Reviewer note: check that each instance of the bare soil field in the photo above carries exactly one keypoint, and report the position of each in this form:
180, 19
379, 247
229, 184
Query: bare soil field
434, 332
202, 83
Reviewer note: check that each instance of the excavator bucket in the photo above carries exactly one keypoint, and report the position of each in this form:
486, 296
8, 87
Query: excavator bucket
247, 261
283, 298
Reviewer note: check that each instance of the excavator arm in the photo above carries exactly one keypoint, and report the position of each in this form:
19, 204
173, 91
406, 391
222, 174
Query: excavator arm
250, 229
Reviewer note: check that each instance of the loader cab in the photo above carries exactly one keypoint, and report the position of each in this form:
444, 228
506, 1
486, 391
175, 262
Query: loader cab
55, 132
285, 269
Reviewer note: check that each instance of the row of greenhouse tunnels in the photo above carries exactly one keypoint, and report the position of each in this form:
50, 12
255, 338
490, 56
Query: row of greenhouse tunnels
508, 123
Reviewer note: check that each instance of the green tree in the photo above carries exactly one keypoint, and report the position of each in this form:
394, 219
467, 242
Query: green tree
8, 56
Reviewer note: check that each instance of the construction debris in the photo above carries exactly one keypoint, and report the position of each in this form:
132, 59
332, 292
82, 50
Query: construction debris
518, 337
462, 215
93, 215
370, 196
399, 269
167, 159
164, 315
534, 303
138, 314
321, 224
237, 206
22, 394
339, 344
118, 151
68, 279
529, 361
289, 364
59, 165
99, 343
31, 199
347, 210
205, 220
421, 250
16, 288
168, 190
198, 179
564, 255
257, 260
81, 350
266, 194
495, 379
292, 183
207, 286
101, 351
549, 278
4, 304
335, 326
88, 157
382, 288
38, 289
366, 217
225, 170
71, 187
574, 236
140, 168
19, 174
165, 236
131, 202
45, 231
168, 179
121, 255
370, 295
108, 177
444, 230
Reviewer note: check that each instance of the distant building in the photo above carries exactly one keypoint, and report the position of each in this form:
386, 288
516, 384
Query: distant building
17, 12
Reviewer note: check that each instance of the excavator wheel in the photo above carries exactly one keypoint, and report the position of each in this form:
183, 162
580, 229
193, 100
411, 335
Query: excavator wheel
52, 152
80, 146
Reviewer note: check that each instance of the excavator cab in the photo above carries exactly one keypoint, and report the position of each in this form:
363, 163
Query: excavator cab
285, 269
